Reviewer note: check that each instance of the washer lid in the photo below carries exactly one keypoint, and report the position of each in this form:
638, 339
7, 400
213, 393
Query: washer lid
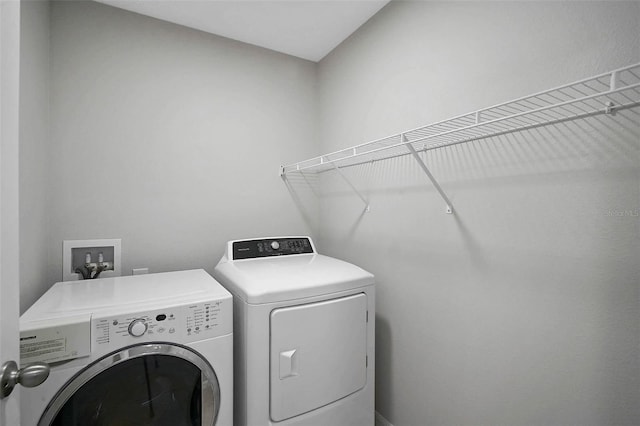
125, 294
274, 279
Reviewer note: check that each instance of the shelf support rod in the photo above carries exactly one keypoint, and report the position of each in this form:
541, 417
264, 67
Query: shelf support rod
425, 169
353, 188
613, 82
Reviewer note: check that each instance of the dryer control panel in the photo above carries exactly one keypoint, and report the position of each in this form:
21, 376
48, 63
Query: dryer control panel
180, 324
265, 247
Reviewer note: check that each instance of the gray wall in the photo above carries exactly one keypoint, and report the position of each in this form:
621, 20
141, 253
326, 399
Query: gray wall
168, 138
34, 149
520, 309
523, 307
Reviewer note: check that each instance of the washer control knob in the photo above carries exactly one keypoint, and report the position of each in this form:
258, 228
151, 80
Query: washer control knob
275, 245
137, 327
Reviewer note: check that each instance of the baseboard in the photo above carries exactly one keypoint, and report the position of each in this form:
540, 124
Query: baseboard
381, 421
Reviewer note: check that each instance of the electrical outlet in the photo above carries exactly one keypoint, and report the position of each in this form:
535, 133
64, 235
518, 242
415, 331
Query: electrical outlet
139, 271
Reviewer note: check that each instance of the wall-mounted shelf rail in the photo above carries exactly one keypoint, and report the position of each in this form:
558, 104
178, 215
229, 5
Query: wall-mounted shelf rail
601, 94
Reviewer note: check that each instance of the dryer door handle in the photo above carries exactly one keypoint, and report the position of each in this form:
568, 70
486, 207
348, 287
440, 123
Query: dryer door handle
288, 364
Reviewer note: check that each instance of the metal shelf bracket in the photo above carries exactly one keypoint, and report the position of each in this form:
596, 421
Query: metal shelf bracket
609, 108
367, 208
425, 169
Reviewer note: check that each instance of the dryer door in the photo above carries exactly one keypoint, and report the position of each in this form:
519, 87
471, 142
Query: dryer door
318, 354
154, 384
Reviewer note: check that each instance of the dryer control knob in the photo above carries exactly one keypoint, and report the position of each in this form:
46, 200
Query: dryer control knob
275, 245
137, 328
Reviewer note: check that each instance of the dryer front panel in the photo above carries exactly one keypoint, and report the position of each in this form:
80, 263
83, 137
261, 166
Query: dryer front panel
318, 354
156, 384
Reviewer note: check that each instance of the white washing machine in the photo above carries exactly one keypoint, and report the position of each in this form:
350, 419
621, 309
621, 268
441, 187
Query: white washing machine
152, 349
304, 334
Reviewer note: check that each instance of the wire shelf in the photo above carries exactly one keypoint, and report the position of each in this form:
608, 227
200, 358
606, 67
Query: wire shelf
600, 94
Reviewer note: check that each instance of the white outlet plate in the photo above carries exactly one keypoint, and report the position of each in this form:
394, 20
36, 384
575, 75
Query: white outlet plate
67, 255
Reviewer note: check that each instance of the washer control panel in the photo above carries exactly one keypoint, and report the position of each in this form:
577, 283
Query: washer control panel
251, 249
181, 324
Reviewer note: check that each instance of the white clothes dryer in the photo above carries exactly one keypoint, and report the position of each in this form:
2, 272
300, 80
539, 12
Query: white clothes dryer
304, 334
152, 349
